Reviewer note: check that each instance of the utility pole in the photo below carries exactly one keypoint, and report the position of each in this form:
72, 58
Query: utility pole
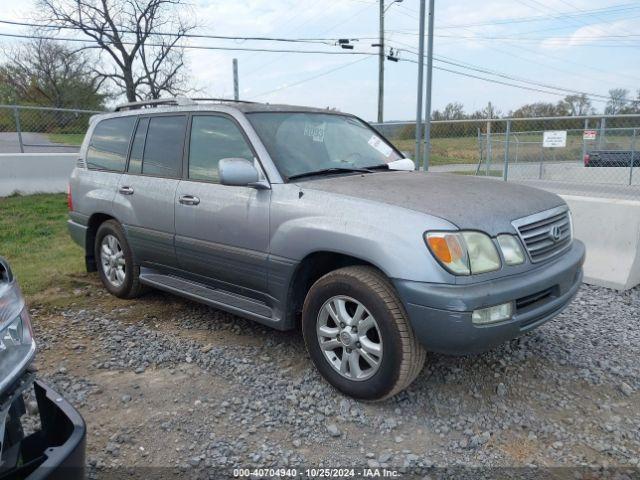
236, 88
427, 147
420, 87
381, 65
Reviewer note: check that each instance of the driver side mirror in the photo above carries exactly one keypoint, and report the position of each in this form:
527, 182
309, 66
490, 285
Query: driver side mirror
240, 172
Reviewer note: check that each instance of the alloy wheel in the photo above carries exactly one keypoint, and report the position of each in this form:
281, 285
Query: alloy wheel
112, 260
349, 337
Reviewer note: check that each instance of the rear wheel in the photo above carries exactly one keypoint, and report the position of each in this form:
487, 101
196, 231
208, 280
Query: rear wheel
117, 270
358, 335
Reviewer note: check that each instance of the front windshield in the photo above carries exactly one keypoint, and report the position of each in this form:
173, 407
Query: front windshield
301, 143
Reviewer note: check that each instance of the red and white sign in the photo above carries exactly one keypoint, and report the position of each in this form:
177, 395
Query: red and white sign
589, 135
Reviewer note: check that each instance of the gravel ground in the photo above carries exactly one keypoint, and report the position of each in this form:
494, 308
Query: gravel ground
163, 382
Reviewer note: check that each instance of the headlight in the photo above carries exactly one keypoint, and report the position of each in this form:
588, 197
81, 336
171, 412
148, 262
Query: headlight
464, 253
16, 347
511, 249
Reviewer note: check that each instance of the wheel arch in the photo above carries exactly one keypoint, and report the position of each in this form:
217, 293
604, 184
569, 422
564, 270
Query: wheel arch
310, 269
95, 220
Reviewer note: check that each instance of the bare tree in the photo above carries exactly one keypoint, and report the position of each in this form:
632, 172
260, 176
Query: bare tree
618, 100
453, 111
141, 37
576, 105
48, 73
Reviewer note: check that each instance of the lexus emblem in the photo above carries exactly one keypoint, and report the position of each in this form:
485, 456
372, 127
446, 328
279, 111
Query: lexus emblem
555, 233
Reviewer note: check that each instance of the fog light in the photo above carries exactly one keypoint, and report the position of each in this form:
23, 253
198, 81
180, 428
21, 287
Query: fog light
492, 314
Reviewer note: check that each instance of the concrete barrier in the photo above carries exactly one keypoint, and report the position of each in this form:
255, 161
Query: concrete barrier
610, 228
27, 173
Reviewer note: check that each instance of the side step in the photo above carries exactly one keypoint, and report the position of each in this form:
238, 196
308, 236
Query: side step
231, 302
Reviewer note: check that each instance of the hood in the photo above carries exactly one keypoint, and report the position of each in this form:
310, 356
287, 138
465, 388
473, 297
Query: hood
468, 202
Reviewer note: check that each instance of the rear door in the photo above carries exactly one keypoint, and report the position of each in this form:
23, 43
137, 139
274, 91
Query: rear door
95, 187
146, 191
222, 232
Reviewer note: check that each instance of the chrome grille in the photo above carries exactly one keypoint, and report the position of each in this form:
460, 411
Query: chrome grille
545, 234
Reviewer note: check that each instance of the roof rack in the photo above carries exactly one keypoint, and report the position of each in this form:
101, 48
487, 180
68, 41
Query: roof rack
155, 103
178, 101
222, 100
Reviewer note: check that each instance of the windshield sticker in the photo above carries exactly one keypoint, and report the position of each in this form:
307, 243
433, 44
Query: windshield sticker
377, 143
316, 132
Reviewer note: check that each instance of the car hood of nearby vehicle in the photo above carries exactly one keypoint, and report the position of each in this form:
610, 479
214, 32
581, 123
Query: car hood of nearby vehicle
473, 203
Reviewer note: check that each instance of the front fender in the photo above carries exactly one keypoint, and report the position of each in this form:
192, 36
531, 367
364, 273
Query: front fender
389, 237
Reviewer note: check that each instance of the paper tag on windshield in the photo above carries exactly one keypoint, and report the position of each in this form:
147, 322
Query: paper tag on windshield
316, 132
377, 143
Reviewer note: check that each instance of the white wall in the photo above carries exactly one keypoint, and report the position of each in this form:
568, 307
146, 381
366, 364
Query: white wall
610, 229
35, 172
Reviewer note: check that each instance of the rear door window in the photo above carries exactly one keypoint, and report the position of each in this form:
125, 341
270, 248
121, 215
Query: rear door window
164, 145
109, 144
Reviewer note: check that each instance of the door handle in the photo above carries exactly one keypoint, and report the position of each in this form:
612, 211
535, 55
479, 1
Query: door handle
189, 200
126, 190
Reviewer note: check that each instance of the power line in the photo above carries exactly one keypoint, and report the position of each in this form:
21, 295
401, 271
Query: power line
185, 35
310, 78
530, 61
271, 61
490, 80
469, 66
193, 47
607, 10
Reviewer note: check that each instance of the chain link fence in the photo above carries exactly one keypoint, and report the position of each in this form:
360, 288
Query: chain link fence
31, 129
597, 155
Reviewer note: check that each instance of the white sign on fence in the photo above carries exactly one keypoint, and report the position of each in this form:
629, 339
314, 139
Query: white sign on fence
589, 134
554, 138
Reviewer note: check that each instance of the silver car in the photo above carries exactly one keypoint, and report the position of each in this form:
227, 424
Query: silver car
305, 218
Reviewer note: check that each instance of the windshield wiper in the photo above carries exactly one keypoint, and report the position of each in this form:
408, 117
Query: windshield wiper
382, 166
328, 171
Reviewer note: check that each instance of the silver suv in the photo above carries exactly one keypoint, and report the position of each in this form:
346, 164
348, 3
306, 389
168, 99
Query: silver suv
301, 217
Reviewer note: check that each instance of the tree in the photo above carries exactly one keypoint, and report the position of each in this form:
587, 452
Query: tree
537, 109
490, 111
48, 73
576, 105
618, 100
140, 37
453, 111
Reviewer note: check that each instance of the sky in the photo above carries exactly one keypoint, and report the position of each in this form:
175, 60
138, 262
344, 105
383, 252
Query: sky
583, 45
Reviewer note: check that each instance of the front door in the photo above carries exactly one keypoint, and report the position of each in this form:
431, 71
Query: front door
145, 199
222, 232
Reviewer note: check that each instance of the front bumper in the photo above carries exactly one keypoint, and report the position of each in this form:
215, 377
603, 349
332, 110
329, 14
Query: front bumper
55, 450
440, 314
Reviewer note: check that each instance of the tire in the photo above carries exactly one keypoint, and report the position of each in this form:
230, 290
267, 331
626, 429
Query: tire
126, 283
345, 291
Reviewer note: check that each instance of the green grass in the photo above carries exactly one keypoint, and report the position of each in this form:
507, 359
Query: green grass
34, 238
66, 138
445, 151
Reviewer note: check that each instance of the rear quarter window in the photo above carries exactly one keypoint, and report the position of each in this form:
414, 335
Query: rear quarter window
109, 144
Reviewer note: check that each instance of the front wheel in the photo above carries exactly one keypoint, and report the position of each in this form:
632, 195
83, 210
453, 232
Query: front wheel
358, 335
